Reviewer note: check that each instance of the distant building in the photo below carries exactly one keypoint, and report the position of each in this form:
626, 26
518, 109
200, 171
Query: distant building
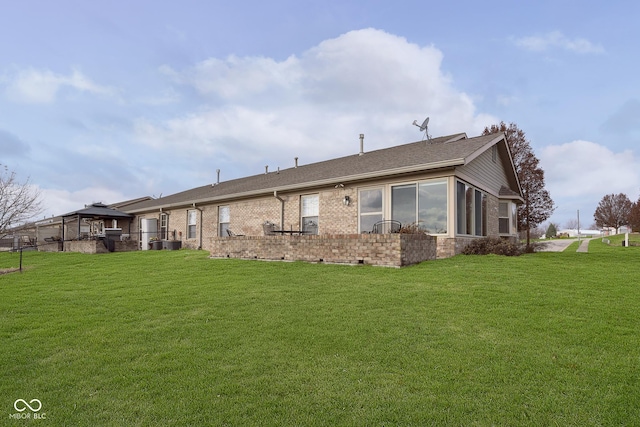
572, 232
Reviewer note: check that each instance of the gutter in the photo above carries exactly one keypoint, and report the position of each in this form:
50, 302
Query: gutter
198, 209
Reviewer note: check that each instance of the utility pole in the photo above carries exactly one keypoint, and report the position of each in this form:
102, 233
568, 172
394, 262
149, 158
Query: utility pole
578, 225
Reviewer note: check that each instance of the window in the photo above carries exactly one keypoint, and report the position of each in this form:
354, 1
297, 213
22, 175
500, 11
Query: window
164, 219
479, 214
309, 207
471, 210
423, 204
370, 202
191, 224
484, 214
503, 218
460, 211
223, 221
432, 206
404, 204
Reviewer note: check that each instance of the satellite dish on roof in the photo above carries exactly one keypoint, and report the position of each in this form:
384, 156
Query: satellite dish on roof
424, 127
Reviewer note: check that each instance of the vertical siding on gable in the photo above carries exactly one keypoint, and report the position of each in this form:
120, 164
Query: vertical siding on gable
491, 175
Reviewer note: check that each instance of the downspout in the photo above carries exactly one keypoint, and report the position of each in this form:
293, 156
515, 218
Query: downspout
198, 209
275, 194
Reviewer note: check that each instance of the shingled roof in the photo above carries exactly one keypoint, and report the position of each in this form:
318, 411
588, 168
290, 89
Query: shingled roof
98, 210
441, 152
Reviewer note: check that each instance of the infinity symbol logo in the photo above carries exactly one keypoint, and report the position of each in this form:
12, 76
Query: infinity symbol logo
26, 405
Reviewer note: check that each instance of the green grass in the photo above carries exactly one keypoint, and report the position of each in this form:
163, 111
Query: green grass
174, 338
634, 239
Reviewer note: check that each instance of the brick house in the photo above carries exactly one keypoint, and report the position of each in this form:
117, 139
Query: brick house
453, 188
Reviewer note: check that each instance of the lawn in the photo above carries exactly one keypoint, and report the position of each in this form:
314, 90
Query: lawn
174, 338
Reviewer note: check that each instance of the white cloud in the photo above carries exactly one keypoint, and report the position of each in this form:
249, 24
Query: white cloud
316, 104
60, 202
556, 39
235, 77
583, 169
41, 86
579, 173
506, 100
165, 97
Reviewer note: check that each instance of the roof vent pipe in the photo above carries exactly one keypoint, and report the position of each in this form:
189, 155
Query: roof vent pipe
218, 173
361, 144
296, 160
266, 169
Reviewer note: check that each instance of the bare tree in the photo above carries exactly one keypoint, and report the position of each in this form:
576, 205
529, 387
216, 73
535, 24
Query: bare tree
538, 205
19, 202
613, 211
572, 224
634, 216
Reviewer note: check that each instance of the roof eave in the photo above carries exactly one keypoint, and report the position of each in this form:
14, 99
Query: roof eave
311, 184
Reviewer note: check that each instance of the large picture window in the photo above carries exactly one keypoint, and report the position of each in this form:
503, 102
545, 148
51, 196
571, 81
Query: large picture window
310, 208
404, 204
423, 204
370, 203
432, 206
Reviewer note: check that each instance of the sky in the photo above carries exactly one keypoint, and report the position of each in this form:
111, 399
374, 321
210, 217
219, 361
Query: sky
110, 101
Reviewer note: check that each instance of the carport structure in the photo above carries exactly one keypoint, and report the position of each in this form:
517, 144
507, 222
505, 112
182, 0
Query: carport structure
94, 212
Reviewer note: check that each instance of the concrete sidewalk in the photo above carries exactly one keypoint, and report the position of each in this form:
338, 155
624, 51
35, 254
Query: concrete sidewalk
555, 245
562, 244
584, 245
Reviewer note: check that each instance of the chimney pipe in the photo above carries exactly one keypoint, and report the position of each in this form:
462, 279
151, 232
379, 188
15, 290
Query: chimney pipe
361, 144
266, 169
296, 159
218, 173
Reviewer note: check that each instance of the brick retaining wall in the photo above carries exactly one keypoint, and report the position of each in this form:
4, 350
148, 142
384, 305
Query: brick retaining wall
97, 246
376, 249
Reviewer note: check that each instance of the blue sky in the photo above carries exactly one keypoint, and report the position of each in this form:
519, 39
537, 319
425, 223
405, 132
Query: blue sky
108, 101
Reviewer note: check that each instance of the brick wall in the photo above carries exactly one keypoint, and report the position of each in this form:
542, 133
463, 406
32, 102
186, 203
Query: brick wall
247, 217
375, 249
97, 246
45, 246
492, 216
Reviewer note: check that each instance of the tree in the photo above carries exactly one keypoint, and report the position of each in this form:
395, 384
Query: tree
19, 202
614, 210
537, 232
552, 231
572, 224
634, 217
538, 205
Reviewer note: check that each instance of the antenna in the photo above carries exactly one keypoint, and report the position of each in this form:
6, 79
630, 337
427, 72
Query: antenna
424, 127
